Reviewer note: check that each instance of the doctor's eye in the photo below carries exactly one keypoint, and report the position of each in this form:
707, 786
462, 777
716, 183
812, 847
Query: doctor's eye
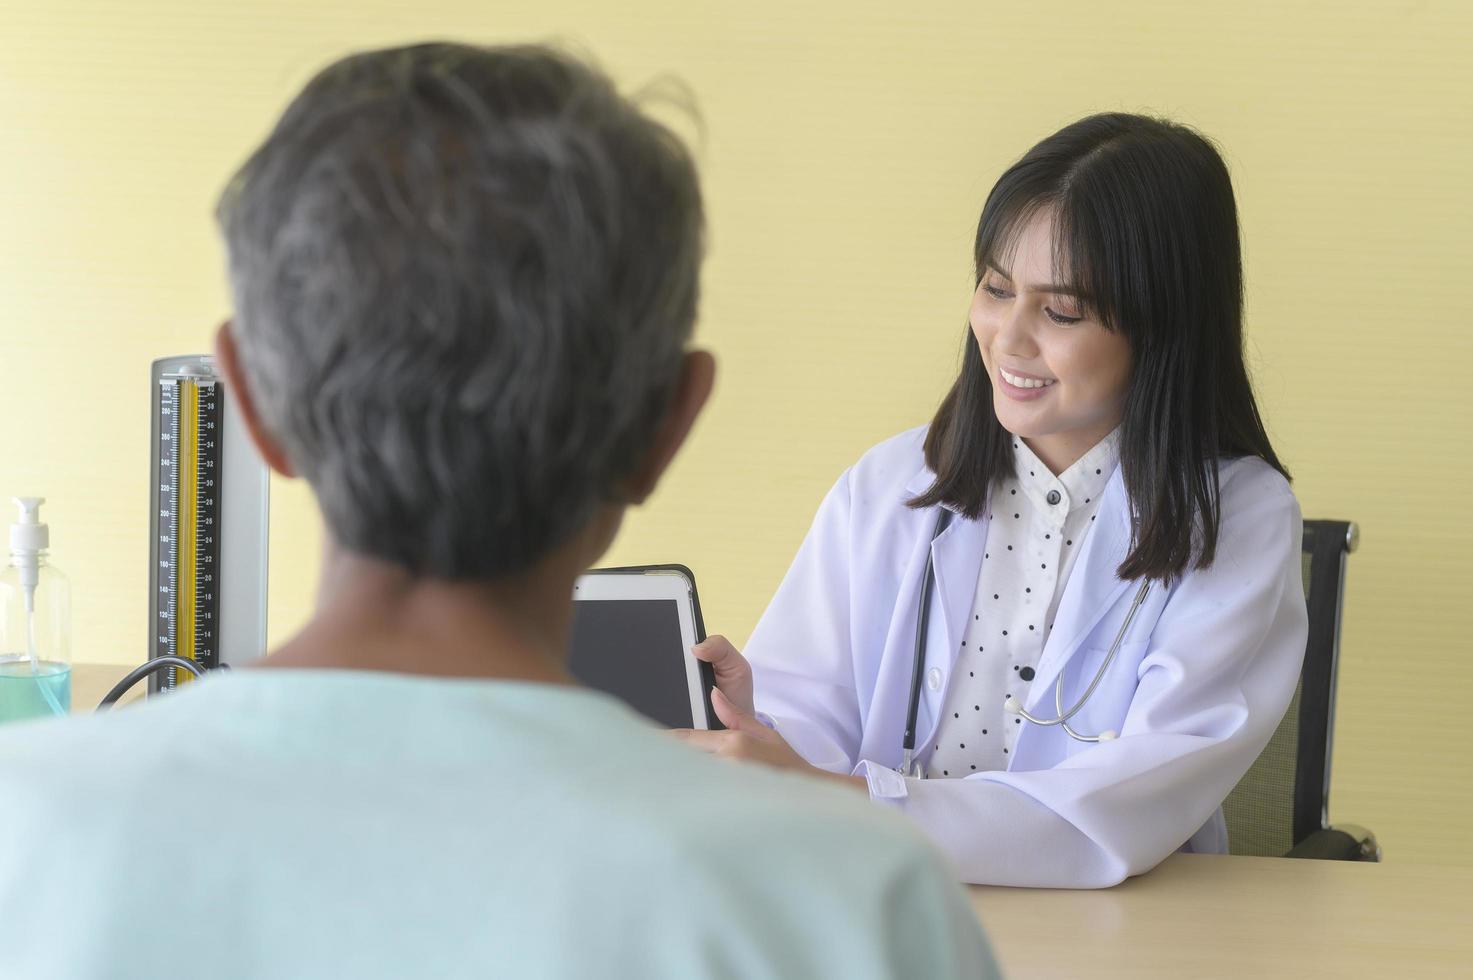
995, 292
1061, 319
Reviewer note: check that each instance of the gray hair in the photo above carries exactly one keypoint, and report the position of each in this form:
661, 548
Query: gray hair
463, 280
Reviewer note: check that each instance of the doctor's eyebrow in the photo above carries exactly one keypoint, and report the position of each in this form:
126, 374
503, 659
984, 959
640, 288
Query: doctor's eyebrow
1056, 289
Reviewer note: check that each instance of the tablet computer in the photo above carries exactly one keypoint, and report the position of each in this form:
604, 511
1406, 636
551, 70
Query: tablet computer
632, 633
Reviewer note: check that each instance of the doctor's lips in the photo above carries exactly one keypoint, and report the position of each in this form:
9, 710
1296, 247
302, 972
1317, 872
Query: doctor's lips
1023, 387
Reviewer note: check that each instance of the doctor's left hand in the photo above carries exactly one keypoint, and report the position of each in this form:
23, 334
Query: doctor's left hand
748, 740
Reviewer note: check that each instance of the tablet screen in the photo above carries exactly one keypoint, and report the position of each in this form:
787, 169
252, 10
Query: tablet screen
631, 648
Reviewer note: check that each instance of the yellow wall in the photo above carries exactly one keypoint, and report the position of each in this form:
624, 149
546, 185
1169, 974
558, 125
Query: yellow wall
850, 147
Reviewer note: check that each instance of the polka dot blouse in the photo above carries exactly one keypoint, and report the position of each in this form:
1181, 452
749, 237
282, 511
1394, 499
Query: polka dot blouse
1039, 521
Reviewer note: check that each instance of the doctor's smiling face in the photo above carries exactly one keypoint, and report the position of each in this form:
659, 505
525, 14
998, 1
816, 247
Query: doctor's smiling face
1059, 376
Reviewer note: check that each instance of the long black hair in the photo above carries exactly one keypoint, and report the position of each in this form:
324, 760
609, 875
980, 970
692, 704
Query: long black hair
1146, 228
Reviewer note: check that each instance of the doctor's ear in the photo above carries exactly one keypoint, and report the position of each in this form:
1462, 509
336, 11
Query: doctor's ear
227, 357
692, 390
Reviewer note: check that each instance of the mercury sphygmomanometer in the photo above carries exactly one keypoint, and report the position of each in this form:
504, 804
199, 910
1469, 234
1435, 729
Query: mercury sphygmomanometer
208, 513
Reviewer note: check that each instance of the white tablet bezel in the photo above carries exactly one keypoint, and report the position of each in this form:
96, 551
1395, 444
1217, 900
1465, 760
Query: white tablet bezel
649, 585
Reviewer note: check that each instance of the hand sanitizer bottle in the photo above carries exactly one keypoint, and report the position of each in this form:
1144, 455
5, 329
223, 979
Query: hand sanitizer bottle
35, 628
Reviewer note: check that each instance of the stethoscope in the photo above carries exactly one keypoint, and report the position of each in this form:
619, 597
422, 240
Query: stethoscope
908, 766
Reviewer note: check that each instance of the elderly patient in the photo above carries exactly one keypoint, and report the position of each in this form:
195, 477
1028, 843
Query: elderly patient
464, 282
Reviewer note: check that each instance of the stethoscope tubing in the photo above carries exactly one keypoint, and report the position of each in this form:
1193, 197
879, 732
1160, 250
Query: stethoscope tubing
918, 662
1063, 716
908, 765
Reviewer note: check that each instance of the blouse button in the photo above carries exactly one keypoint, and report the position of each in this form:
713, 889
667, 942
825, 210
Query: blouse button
933, 679
1053, 497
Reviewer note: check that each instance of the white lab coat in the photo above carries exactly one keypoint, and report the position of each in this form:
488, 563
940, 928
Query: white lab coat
1198, 686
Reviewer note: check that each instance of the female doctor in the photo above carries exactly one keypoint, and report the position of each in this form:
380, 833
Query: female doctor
1103, 541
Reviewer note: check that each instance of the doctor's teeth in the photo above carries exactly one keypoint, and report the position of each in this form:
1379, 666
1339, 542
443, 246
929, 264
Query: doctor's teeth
1020, 382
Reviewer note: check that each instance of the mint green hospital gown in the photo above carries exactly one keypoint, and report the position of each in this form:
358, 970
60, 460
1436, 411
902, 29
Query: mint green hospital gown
289, 823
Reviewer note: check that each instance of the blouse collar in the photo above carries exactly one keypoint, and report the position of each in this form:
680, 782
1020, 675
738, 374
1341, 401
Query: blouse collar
1079, 486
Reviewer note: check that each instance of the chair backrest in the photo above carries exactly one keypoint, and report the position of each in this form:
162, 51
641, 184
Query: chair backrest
1285, 796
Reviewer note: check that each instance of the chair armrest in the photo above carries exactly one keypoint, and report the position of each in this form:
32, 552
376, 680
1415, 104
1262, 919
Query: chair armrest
1345, 842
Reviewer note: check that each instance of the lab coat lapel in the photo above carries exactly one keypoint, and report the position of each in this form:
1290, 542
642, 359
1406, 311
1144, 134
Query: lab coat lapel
1092, 590
957, 561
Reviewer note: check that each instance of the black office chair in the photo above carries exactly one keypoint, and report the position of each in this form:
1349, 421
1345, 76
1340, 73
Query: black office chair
1281, 807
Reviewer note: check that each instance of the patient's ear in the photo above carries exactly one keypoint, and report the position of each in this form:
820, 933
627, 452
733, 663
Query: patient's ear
697, 377
228, 358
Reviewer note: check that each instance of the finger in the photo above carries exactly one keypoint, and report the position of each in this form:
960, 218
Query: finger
715, 650
731, 716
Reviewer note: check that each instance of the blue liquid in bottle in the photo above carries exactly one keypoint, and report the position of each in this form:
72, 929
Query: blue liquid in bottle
25, 694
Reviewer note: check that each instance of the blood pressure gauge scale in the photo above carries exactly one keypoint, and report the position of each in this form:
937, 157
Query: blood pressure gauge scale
208, 539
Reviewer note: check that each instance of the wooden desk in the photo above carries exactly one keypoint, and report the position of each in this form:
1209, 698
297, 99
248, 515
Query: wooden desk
91, 682
1200, 915
1204, 915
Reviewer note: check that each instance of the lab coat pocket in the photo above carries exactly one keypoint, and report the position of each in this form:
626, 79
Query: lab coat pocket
1105, 709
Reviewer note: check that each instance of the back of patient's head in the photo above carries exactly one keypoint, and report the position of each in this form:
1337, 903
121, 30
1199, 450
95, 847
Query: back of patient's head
463, 282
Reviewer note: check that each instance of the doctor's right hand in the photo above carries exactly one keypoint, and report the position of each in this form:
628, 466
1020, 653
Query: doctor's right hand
733, 673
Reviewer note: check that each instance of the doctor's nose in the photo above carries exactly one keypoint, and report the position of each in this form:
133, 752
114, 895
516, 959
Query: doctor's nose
1015, 333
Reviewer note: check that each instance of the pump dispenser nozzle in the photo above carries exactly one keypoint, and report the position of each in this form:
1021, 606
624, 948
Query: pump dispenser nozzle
28, 539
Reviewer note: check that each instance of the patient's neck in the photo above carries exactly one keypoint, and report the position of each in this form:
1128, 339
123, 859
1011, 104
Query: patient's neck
373, 615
